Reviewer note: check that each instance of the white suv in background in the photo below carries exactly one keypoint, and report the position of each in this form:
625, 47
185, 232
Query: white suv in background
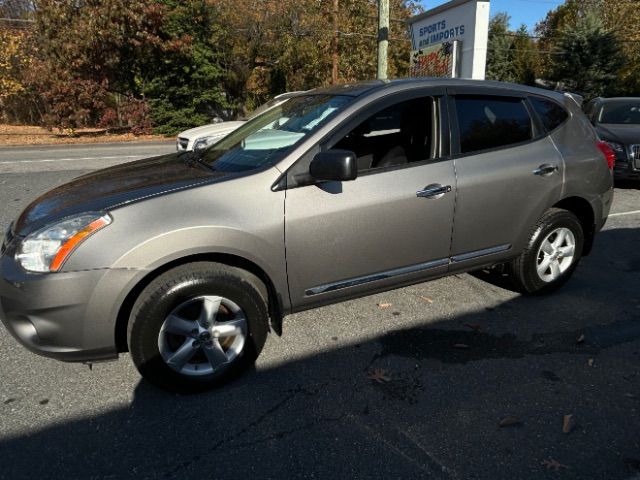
201, 137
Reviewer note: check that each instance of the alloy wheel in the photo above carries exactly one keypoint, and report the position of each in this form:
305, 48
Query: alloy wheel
555, 254
202, 335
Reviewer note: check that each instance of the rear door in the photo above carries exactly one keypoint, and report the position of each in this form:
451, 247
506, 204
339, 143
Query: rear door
508, 173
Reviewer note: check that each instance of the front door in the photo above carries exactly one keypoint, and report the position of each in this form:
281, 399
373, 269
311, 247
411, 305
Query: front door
390, 226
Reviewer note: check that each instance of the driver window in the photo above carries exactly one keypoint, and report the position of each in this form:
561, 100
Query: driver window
398, 135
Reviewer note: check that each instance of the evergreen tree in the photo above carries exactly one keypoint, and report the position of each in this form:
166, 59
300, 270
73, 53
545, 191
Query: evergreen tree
184, 86
499, 64
525, 57
511, 56
587, 58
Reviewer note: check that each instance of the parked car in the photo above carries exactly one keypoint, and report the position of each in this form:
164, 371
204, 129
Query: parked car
199, 138
617, 122
188, 260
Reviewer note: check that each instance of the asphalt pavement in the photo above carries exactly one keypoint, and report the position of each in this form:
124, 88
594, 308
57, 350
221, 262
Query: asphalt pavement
46, 158
414, 390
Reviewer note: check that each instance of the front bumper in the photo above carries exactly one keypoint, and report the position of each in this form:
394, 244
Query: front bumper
68, 316
626, 169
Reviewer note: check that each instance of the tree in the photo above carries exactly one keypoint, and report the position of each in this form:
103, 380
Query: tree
621, 18
184, 82
183, 63
499, 64
549, 30
525, 57
512, 56
124, 54
273, 46
587, 57
12, 61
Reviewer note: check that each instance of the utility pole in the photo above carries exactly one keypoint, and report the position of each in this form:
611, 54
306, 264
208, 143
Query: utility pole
334, 45
383, 37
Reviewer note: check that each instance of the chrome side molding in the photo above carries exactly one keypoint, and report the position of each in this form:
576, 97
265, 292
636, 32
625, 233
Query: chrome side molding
354, 282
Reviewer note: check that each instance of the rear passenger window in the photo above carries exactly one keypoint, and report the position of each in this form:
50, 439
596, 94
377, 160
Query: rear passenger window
491, 122
551, 114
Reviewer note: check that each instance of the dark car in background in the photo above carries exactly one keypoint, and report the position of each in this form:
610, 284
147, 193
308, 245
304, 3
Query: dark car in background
617, 121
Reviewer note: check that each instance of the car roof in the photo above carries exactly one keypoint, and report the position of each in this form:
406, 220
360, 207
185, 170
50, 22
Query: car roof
361, 88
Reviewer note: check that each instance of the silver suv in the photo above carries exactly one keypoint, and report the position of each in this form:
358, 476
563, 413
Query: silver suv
188, 260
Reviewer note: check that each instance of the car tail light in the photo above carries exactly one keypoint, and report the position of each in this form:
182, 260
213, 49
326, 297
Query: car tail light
609, 154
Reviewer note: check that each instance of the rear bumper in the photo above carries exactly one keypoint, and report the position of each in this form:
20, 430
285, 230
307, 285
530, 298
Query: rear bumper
67, 315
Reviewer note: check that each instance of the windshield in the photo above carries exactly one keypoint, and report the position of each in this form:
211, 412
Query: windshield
267, 138
266, 106
620, 113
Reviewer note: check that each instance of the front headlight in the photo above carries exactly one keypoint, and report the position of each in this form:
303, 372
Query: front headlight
47, 249
617, 147
204, 142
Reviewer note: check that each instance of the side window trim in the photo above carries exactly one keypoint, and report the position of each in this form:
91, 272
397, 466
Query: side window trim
454, 128
538, 131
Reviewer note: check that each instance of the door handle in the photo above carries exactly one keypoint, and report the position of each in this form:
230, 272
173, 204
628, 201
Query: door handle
545, 169
435, 190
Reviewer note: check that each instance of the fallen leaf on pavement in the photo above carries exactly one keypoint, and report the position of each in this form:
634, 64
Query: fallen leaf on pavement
580, 339
461, 345
509, 421
474, 326
379, 375
551, 463
426, 299
384, 305
590, 362
568, 423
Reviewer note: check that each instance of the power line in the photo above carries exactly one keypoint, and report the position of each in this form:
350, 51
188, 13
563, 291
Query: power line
508, 49
538, 37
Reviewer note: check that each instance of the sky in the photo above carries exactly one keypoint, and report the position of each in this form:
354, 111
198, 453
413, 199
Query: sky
528, 12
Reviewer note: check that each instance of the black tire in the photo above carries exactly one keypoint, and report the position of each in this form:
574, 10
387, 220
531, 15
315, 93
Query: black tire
184, 284
523, 269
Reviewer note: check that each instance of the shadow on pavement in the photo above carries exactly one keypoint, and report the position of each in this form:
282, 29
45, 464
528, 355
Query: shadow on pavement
628, 184
414, 403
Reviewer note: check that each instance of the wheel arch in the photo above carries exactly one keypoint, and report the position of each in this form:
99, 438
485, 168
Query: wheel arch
582, 209
276, 309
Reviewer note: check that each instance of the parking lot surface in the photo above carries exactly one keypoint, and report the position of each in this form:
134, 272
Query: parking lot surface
460, 378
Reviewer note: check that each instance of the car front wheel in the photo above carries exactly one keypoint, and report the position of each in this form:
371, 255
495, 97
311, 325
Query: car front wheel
553, 252
197, 326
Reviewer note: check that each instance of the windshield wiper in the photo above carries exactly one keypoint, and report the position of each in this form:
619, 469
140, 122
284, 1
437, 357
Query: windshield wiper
192, 158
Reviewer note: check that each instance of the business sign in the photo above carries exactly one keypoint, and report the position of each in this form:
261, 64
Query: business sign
463, 21
440, 60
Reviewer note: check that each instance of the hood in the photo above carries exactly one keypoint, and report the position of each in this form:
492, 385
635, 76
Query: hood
211, 129
625, 134
114, 186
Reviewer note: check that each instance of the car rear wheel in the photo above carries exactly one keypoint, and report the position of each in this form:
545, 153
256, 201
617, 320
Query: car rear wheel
553, 252
197, 326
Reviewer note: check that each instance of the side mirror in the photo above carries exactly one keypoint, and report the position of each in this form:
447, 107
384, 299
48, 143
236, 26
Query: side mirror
334, 166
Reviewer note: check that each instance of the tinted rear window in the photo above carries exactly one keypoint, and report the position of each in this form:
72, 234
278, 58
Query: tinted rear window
551, 114
491, 122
